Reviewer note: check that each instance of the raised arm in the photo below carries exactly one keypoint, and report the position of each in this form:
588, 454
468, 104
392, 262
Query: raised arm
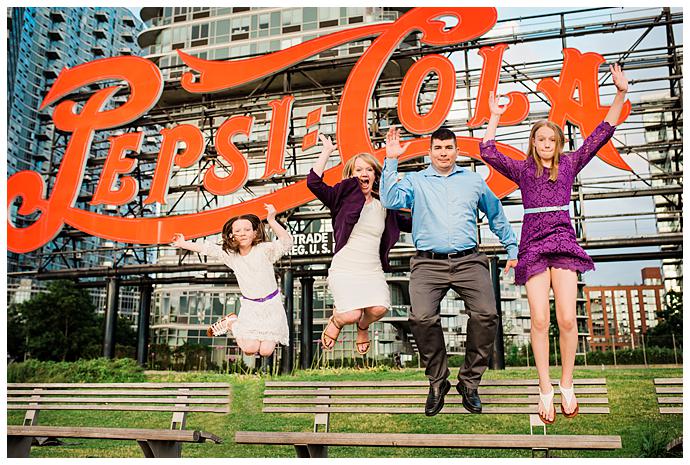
487, 148
496, 112
621, 83
394, 195
602, 133
276, 249
328, 147
280, 232
325, 193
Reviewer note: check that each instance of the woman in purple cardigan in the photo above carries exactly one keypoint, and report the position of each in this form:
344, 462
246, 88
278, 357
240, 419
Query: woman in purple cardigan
549, 254
364, 234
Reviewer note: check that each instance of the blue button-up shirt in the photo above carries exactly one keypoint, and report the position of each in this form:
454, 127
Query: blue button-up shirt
444, 218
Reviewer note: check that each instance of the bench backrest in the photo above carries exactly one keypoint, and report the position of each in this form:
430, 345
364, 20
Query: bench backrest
669, 393
177, 398
505, 396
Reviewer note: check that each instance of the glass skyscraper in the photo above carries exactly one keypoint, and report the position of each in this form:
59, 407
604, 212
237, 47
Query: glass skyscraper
43, 41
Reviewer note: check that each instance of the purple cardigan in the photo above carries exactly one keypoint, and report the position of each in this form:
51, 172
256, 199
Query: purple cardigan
345, 200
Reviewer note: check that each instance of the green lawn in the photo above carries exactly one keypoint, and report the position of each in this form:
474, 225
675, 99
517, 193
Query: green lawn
634, 416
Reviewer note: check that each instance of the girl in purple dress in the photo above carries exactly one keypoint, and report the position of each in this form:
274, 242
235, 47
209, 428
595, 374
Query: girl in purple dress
549, 255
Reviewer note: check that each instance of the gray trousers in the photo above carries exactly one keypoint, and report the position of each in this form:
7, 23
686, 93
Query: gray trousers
430, 280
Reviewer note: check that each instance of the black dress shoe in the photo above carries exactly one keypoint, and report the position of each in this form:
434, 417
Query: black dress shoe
470, 399
435, 399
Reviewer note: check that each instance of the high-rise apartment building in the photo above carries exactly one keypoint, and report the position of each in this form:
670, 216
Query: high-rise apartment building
43, 41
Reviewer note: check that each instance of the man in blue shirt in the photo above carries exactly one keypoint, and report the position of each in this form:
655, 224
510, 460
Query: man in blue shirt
444, 199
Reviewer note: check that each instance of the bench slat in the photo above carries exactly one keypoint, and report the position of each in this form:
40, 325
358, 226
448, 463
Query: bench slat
418, 410
425, 383
116, 400
497, 441
419, 400
115, 392
120, 407
117, 385
670, 400
105, 433
670, 390
668, 381
670, 410
416, 392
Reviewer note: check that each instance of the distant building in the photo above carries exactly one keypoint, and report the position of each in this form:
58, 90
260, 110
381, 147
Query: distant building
620, 314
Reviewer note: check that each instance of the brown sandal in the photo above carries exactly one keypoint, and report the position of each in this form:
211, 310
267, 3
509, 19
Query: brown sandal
366, 343
326, 338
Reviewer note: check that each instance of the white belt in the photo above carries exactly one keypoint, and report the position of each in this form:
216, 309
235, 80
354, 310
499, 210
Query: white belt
546, 209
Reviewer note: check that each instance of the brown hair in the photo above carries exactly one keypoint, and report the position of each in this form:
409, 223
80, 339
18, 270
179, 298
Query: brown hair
230, 244
558, 150
368, 158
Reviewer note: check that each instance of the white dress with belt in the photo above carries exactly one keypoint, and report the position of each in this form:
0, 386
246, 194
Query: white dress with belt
356, 278
263, 321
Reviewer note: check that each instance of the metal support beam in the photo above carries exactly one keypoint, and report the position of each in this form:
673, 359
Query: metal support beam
112, 301
287, 360
307, 320
498, 352
145, 291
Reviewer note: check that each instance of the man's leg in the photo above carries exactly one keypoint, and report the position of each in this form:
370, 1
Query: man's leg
472, 281
428, 284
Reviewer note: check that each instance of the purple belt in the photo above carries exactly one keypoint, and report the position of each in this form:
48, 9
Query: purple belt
263, 299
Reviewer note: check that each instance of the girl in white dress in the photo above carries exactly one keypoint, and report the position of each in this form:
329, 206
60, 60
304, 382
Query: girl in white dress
364, 234
262, 323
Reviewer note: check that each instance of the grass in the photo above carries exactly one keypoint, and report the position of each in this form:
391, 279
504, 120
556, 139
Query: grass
634, 416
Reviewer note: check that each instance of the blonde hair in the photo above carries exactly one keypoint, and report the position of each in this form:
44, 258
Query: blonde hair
368, 158
558, 150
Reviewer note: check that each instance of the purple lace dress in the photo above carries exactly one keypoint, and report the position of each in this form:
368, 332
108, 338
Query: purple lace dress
548, 238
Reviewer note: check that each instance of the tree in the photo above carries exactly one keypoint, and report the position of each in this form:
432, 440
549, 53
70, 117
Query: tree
58, 324
670, 322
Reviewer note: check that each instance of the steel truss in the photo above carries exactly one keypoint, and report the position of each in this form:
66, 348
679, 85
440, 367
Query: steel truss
320, 83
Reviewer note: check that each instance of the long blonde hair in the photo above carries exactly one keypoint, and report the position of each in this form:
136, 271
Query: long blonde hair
368, 158
558, 150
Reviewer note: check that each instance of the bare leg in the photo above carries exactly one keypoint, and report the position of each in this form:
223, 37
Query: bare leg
266, 348
538, 287
341, 319
248, 346
564, 283
369, 315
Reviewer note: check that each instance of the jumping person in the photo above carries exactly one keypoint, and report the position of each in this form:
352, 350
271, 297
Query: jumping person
262, 323
364, 234
550, 256
444, 199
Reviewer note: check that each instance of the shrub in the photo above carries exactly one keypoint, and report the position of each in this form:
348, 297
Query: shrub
99, 370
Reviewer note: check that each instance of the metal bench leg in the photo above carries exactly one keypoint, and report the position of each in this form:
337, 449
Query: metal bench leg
161, 449
313, 451
545, 451
18, 447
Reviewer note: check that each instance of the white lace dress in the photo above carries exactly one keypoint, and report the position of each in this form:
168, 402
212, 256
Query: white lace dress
356, 277
263, 321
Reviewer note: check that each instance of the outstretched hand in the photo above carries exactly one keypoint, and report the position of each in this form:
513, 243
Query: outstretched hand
494, 107
619, 79
178, 240
327, 144
271, 211
393, 147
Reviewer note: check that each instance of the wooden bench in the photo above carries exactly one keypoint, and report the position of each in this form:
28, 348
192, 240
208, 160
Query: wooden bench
508, 396
666, 386
176, 398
